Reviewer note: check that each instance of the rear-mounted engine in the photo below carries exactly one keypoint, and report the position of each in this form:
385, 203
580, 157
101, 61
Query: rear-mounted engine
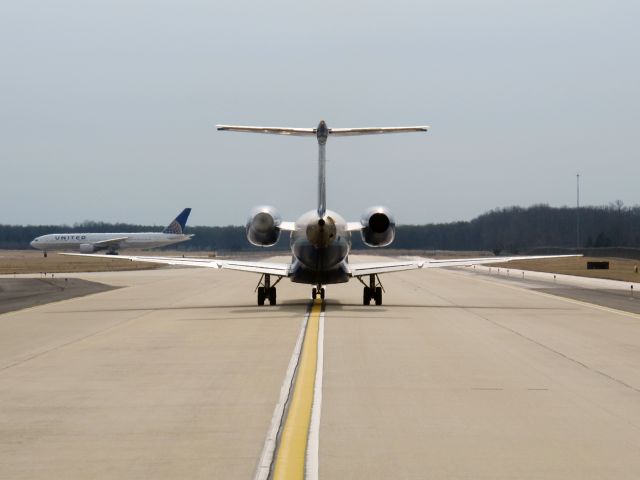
263, 226
378, 227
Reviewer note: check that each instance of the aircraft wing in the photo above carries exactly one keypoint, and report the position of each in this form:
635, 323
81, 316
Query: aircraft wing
277, 269
358, 270
377, 268
466, 262
301, 132
109, 242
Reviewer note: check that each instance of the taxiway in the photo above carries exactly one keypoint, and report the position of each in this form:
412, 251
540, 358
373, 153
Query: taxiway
177, 375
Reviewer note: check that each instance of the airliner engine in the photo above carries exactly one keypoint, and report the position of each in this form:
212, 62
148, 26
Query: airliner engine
378, 227
87, 248
263, 226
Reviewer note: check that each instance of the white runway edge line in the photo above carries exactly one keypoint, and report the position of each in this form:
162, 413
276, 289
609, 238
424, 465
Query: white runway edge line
313, 442
268, 451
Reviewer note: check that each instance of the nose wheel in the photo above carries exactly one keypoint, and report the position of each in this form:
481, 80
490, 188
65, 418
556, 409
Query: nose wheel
317, 291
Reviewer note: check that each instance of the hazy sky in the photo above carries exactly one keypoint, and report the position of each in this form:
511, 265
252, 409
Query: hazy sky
108, 108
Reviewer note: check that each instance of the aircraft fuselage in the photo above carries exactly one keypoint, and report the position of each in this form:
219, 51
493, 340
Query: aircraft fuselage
320, 246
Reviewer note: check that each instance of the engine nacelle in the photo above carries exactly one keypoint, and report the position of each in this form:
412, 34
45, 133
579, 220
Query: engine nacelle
87, 248
378, 227
263, 226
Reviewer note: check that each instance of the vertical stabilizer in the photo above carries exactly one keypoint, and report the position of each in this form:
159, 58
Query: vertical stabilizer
322, 133
179, 223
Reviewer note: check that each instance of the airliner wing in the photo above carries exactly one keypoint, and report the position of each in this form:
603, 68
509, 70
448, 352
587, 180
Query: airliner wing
466, 262
109, 242
302, 132
277, 269
378, 268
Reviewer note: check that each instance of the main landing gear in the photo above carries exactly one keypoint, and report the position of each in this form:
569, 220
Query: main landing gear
265, 290
318, 291
373, 291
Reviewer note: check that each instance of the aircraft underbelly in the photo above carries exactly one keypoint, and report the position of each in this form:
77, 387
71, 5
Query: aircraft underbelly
323, 265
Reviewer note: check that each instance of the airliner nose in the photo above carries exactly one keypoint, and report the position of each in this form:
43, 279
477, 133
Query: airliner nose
32, 243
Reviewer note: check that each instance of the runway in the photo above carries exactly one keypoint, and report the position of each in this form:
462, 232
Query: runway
177, 375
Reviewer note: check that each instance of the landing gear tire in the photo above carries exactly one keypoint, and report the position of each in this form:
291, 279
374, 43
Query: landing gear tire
272, 296
261, 295
314, 293
378, 296
366, 296
45, 254
322, 293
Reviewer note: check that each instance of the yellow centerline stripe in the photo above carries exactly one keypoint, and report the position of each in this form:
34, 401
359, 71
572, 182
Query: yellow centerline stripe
290, 457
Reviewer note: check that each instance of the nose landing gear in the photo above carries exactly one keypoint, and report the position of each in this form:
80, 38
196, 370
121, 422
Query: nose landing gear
319, 290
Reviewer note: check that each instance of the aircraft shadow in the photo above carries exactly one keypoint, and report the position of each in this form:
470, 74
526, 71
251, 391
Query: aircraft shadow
352, 307
297, 306
287, 306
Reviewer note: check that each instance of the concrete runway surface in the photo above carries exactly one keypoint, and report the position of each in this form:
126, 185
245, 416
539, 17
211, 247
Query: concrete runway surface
455, 376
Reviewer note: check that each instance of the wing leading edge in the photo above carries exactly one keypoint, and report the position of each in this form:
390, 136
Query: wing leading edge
377, 268
110, 242
277, 269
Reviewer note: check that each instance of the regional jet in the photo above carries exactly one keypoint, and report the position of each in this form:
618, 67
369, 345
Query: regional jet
320, 239
112, 242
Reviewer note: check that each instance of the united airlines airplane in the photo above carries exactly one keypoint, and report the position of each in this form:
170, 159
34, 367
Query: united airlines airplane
320, 239
112, 242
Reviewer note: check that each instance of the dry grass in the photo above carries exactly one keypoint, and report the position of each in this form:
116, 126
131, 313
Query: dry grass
26, 261
619, 269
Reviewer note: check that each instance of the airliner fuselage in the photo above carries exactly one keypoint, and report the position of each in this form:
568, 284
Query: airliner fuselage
320, 246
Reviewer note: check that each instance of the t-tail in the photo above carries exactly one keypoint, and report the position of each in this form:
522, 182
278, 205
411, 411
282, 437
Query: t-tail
178, 224
322, 133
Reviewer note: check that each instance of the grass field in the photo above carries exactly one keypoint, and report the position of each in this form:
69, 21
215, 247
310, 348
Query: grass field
26, 261
619, 269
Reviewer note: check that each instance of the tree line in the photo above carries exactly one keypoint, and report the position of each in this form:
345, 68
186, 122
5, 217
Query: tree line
512, 229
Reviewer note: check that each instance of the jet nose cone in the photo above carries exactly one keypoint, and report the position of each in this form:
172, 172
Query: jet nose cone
32, 243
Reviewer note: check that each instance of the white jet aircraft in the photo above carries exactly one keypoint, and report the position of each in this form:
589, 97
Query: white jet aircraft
111, 242
320, 239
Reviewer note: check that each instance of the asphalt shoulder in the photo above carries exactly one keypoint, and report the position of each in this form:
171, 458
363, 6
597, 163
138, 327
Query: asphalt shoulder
21, 293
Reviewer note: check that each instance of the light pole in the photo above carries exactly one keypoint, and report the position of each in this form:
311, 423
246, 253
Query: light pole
577, 211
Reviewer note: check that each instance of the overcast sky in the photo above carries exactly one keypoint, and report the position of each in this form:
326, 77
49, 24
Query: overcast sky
108, 108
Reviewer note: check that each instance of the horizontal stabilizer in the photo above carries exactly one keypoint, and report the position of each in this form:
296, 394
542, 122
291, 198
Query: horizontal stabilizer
348, 132
309, 132
302, 132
